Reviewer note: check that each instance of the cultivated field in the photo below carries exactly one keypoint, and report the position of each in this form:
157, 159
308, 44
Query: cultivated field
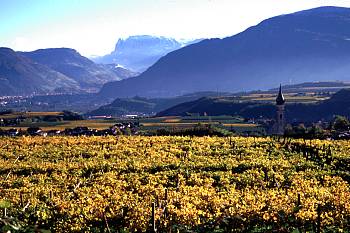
146, 124
231, 123
189, 184
290, 97
29, 114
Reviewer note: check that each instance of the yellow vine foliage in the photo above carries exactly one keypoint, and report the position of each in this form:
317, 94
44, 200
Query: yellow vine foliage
75, 184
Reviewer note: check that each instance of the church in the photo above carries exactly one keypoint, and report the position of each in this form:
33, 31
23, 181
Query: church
278, 128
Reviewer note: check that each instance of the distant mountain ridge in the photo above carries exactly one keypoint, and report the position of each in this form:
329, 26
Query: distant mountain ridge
306, 46
70, 63
121, 72
140, 52
56, 70
20, 75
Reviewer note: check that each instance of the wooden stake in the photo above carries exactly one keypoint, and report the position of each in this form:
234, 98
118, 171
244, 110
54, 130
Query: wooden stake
106, 222
266, 178
153, 218
157, 201
21, 198
318, 230
166, 195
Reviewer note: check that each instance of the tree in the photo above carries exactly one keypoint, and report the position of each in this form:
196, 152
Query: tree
315, 131
288, 130
340, 123
71, 116
33, 130
300, 130
127, 131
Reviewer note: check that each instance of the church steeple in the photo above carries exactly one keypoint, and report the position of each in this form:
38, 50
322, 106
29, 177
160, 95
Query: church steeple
280, 98
279, 126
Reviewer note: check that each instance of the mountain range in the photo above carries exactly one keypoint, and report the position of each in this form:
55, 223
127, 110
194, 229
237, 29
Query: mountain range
20, 75
306, 46
140, 52
49, 71
311, 45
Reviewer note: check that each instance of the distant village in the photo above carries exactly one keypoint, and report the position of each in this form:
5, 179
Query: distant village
129, 128
12, 126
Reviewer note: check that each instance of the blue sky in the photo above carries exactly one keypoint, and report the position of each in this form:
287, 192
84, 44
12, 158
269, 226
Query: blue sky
93, 26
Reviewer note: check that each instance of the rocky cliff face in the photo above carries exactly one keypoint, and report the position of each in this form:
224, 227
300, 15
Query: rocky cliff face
140, 52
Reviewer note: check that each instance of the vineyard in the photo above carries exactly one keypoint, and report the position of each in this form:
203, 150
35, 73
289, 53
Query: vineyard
174, 184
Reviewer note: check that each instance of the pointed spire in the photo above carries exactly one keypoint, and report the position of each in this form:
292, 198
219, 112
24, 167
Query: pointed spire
280, 99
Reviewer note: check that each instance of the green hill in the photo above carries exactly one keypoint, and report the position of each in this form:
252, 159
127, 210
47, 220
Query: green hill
338, 104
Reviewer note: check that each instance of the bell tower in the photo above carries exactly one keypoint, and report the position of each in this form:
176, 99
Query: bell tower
280, 101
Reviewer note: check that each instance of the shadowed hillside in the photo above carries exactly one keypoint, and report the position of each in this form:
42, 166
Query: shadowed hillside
311, 45
338, 104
